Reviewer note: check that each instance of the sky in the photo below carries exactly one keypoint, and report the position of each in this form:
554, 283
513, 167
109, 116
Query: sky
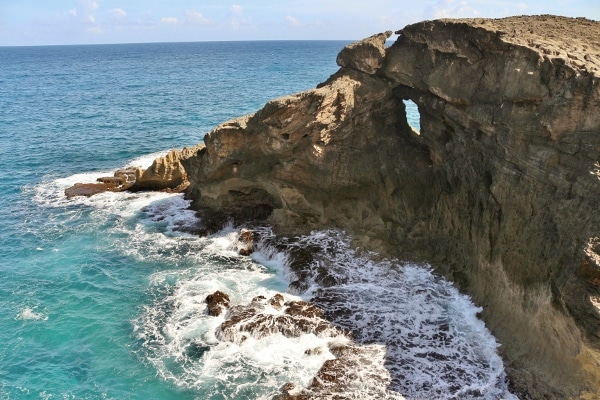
51, 22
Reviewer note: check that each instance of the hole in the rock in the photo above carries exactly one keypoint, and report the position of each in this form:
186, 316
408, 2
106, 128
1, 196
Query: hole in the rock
412, 116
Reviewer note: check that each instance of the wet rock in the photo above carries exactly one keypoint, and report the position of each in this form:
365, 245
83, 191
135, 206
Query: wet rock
246, 243
217, 303
122, 180
264, 317
350, 375
291, 392
276, 301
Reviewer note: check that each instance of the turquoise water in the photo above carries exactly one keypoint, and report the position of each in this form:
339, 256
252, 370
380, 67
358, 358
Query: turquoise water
101, 298
68, 289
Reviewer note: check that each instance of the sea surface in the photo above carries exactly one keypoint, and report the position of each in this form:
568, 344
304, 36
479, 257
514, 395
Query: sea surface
103, 298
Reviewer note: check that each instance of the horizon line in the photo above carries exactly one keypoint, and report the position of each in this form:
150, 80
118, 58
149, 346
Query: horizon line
180, 42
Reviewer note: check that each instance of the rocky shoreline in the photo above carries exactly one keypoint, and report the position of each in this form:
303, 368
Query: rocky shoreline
498, 191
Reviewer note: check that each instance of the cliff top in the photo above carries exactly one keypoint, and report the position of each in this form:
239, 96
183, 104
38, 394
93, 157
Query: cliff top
576, 40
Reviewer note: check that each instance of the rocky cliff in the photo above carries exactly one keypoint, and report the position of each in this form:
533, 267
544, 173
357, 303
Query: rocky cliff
499, 190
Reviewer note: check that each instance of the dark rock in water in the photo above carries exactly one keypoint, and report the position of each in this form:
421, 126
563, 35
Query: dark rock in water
276, 301
218, 303
343, 377
290, 319
288, 393
195, 351
246, 243
120, 181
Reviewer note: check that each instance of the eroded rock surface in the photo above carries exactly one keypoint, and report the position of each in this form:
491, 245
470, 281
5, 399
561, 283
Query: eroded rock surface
263, 317
165, 174
499, 190
217, 303
121, 180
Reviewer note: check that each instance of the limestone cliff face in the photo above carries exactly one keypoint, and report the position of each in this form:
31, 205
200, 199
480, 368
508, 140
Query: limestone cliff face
165, 173
499, 190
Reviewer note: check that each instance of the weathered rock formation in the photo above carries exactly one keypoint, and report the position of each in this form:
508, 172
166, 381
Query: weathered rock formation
165, 174
121, 180
499, 190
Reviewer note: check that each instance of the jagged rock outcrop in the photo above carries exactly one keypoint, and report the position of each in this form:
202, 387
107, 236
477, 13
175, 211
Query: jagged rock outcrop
165, 174
499, 190
122, 179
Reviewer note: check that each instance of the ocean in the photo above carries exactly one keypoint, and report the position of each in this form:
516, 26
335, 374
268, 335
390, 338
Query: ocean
103, 297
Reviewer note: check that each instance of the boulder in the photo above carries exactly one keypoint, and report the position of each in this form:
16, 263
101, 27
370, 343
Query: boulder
217, 303
367, 55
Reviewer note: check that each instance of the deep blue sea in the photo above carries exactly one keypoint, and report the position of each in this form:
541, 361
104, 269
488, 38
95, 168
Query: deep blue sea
101, 298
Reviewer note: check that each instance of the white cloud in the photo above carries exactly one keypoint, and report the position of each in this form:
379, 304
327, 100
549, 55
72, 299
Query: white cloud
197, 18
452, 9
292, 21
117, 13
523, 7
236, 10
85, 11
169, 20
237, 18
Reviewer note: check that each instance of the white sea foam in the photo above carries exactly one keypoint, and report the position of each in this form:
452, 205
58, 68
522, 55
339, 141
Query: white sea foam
30, 314
180, 337
436, 347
